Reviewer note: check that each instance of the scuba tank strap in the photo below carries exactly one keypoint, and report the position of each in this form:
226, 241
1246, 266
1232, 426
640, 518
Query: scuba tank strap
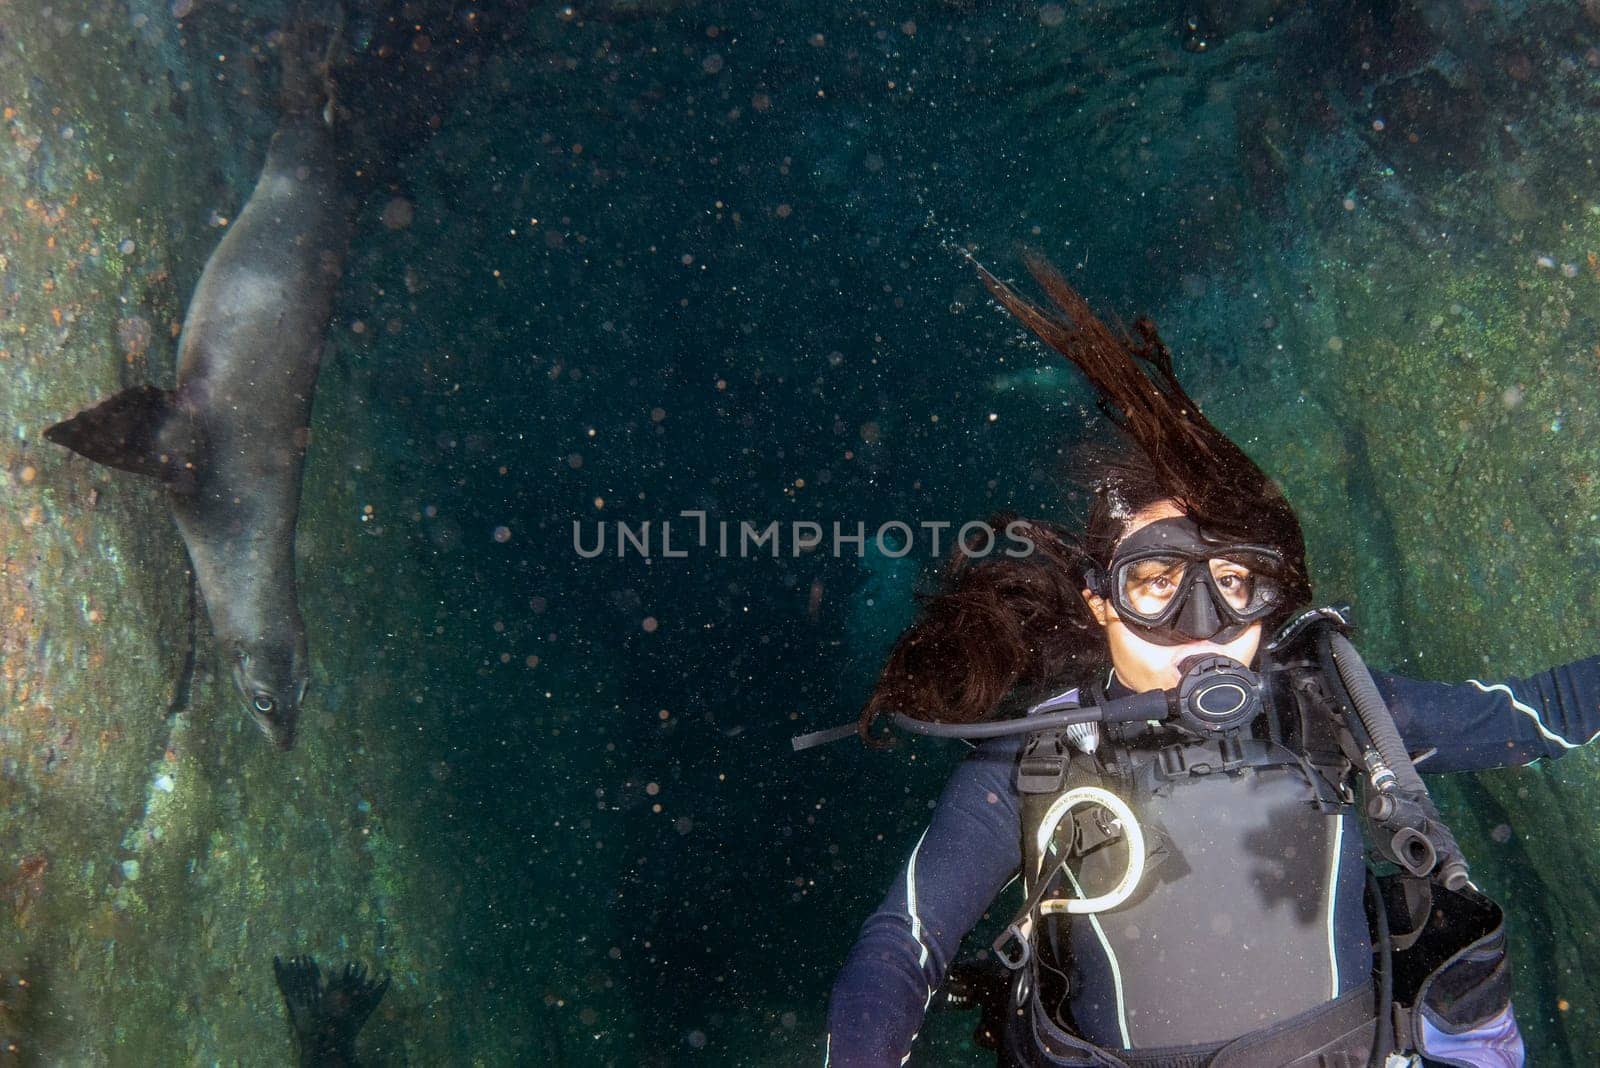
1041, 777
1060, 790
1047, 767
1320, 743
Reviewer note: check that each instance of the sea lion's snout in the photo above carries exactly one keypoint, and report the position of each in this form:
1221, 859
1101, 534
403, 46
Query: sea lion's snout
276, 720
272, 698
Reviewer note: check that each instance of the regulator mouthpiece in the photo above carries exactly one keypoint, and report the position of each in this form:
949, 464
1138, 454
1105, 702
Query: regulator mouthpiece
1217, 694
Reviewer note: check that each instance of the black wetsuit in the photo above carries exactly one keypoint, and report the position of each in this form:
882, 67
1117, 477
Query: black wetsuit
1183, 961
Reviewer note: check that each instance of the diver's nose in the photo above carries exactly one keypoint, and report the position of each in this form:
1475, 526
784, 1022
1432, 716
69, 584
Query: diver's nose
1199, 619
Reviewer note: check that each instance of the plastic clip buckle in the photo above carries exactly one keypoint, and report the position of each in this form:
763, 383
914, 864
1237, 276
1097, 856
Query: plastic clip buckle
1017, 959
1042, 773
1173, 764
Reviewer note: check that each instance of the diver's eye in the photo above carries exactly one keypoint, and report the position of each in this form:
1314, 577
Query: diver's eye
264, 704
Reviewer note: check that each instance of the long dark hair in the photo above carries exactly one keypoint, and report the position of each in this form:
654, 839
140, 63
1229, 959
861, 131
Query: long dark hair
1002, 622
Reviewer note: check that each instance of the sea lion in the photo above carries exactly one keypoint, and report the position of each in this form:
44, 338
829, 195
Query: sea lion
229, 441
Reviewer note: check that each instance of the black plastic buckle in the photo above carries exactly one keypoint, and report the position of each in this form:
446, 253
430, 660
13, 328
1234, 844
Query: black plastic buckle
1173, 764
1404, 1040
1042, 773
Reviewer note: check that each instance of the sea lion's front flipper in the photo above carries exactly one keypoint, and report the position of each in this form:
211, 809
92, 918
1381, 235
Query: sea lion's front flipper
353, 996
143, 430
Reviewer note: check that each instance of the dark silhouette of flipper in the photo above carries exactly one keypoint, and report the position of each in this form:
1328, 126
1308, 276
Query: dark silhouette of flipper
325, 1017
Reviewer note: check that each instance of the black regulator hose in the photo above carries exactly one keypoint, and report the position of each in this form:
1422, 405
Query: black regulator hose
1048, 715
997, 728
1358, 683
1059, 711
1375, 717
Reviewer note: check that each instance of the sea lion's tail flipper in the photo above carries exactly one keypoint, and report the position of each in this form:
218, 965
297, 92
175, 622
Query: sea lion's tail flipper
143, 430
325, 1017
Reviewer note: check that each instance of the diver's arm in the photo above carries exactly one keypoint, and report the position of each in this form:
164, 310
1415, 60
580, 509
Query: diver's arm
1482, 724
971, 848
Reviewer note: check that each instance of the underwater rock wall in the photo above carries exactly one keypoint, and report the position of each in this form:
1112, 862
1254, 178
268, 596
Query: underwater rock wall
155, 853
1470, 391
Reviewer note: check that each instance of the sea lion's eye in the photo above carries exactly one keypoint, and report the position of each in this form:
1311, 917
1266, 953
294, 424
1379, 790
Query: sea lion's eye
264, 704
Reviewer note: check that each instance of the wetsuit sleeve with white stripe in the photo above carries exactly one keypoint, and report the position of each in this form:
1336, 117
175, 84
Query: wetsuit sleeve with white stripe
970, 850
1476, 725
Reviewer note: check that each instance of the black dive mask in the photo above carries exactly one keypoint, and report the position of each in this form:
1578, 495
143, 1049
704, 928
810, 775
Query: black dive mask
1172, 584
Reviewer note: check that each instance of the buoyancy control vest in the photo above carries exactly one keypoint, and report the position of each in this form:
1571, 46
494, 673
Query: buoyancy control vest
1256, 935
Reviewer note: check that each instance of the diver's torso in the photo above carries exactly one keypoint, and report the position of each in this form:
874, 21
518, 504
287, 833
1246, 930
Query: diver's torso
1250, 911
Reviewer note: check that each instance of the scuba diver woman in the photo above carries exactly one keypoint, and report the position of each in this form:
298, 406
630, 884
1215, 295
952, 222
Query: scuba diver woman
1178, 754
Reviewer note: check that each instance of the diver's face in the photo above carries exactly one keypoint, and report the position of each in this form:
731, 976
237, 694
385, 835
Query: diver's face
272, 679
1143, 665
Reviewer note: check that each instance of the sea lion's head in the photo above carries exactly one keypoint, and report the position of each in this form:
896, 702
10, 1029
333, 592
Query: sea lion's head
272, 677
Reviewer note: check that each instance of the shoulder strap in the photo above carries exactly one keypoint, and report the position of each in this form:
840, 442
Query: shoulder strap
1046, 769
1041, 776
